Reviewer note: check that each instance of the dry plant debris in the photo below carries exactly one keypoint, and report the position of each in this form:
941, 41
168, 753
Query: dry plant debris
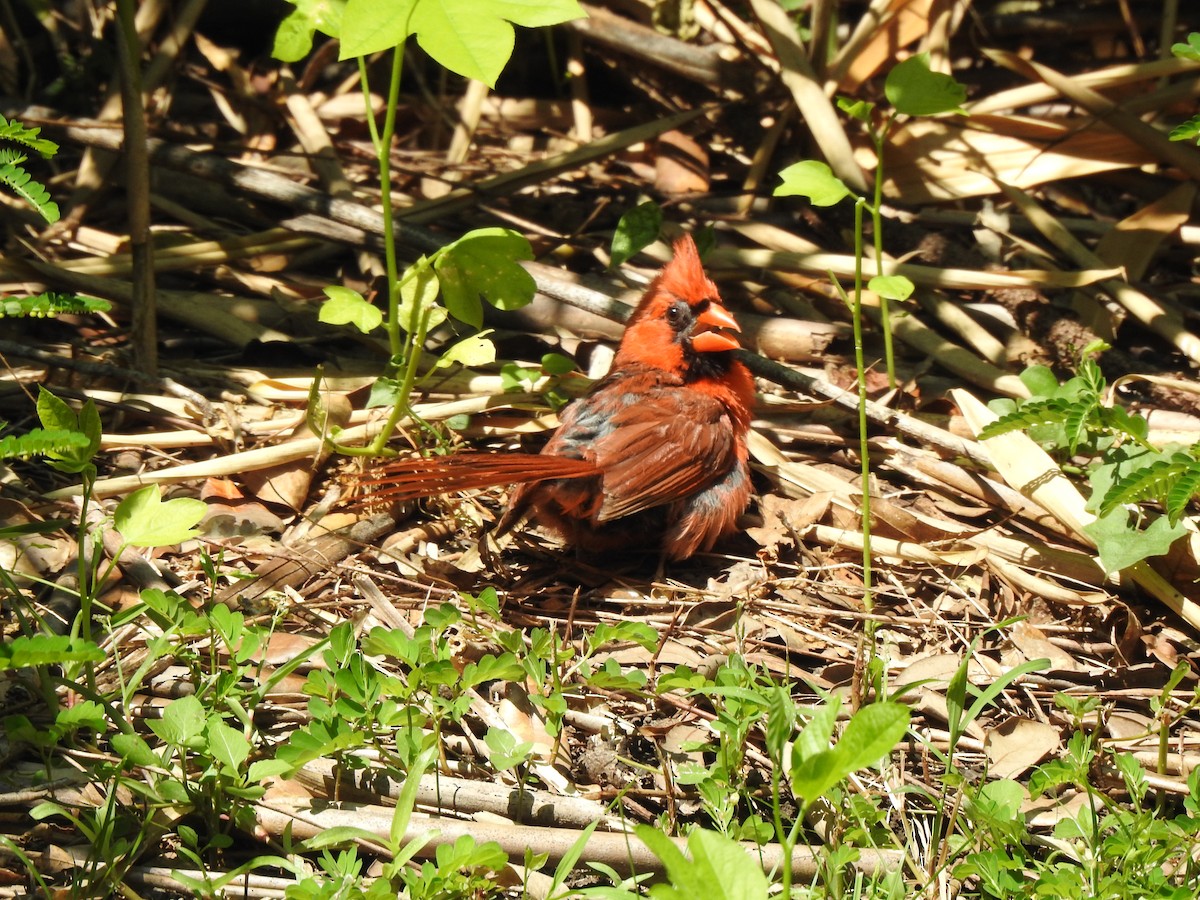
1054, 214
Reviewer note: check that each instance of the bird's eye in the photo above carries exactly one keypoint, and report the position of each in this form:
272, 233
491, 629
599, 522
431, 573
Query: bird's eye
675, 313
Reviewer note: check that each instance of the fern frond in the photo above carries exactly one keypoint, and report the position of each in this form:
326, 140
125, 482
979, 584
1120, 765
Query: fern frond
34, 193
51, 304
17, 133
40, 442
1080, 418
1180, 494
1053, 411
1155, 481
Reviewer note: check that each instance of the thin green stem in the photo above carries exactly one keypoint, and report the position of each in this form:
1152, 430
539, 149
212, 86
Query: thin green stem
877, 223
863, 443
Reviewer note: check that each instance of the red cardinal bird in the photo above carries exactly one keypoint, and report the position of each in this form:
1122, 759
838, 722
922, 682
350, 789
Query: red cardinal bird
653, 456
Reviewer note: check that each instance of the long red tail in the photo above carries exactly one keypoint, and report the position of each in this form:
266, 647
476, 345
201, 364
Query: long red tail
409, 479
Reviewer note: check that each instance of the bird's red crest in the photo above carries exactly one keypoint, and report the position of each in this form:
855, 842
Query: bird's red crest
684, 276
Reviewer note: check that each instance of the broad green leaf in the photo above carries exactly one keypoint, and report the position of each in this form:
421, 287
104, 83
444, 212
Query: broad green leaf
134, 750
26, 651
557, 364
55, 413
815, 736
418, 296
814, 180
384, 392
504, 751
294, 38
182, 722
84, 714
893, 287
227, 745
1001, 800
348, 307
724, 868
144, 520
472, 38
339, 835
1040, 380
637, 229
1119, 545
870, 734
856, 109
473, 350
813, 775
915, 90
484, 263
1190, 50
262, 769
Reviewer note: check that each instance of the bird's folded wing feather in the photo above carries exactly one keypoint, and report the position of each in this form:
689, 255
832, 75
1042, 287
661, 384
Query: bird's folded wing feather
663, 450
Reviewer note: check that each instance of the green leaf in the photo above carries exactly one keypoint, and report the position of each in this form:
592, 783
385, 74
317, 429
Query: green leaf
912, 88
339, 835
636, 230
1040, 380
13, 130
1190, 50
871, 733
504, 751
262, 769
893, 287
557, 364
418, 297
473, 350
724, 868
348, 307
1000, 800
84, 714
472, 38
856, 109
46, 650
814, 180
32, 192
1119, 545
182, 722
1186, 131
144, 520
134, 750
56, 414
679, 867
227, 745
1138, 477
294, 38
484, 263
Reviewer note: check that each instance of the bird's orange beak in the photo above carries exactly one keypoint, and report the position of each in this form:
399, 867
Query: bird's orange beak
712, 338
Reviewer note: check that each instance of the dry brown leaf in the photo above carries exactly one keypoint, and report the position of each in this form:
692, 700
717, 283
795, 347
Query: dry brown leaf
907, 21
680, 164
1017, 744
1030, 640
784, 517
1135, 240
524, 721
938, 160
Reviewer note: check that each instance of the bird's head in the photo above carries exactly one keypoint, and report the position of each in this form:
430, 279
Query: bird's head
680, 320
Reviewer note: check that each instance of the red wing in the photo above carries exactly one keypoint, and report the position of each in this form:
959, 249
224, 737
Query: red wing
668, 446
408, 479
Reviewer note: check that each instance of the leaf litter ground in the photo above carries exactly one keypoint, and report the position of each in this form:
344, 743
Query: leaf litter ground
966, 567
